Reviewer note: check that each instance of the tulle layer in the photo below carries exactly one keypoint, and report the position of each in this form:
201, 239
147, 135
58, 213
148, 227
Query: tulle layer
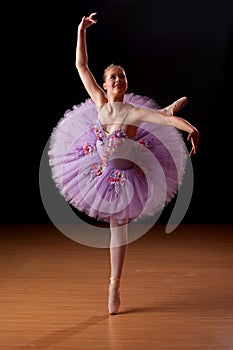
134, 180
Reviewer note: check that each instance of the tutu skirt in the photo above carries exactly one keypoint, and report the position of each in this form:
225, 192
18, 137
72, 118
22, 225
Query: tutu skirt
128, 178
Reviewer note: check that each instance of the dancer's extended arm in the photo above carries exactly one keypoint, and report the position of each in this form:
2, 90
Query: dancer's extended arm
139, 115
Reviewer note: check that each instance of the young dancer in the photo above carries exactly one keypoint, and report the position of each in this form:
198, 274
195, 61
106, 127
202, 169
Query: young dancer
128, 161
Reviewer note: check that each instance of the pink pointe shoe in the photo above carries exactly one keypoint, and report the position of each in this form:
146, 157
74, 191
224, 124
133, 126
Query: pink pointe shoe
114, 296
175, 107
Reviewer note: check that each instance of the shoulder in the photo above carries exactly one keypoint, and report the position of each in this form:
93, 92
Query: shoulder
127, 108
134, 113
101, 105
100, 102
100, 98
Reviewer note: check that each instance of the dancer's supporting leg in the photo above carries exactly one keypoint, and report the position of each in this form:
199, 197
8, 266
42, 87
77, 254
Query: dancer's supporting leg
118, 247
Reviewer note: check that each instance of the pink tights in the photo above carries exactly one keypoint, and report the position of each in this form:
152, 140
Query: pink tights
118, 247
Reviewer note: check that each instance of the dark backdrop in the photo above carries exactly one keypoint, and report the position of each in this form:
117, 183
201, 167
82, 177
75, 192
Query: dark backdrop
168, 48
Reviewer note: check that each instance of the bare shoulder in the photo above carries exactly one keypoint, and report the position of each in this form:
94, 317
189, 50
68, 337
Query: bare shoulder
134, 114
100, 101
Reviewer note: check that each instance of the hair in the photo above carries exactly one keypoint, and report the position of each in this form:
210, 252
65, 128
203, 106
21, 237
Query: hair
108, 67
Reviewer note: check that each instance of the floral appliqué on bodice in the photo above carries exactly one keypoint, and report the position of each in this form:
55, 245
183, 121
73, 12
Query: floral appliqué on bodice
110, 144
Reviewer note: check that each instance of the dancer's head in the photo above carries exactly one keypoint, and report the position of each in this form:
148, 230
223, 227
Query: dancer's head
115, 81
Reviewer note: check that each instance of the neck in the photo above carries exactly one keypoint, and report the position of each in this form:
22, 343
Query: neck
113, 98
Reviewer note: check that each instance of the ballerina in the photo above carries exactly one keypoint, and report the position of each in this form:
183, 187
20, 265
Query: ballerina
104, 155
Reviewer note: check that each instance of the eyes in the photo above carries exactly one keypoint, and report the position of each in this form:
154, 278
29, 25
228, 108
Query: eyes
113, 76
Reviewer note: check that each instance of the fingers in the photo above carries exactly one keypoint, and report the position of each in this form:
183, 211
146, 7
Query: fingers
194, 144
88, 21
83, 19
192, 152
90, 17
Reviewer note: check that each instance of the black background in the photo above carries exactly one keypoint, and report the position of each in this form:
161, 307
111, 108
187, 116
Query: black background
168, 49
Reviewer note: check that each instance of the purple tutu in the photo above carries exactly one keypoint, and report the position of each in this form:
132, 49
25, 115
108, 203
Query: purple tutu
114, 175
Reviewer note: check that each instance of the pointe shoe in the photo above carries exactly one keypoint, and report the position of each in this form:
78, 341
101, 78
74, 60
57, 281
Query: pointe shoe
114, 300
176, 106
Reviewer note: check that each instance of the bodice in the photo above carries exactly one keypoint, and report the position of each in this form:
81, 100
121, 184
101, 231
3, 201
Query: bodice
115, 149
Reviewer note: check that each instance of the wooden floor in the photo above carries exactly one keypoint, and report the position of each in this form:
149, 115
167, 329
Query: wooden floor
177, 291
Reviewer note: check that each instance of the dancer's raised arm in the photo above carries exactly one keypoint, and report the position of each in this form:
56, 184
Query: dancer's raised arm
89, 82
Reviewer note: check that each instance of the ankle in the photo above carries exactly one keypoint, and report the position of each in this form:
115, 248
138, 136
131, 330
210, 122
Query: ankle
115, 282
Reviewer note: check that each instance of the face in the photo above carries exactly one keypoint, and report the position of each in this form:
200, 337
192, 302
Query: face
115, 81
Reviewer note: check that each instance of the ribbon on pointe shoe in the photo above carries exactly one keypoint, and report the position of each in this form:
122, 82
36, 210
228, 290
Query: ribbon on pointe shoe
114, 296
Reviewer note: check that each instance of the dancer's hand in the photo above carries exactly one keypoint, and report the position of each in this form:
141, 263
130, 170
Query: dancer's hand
87, 21
194, 138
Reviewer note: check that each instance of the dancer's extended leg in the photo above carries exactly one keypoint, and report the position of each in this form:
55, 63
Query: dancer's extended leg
176, 106
118, 247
